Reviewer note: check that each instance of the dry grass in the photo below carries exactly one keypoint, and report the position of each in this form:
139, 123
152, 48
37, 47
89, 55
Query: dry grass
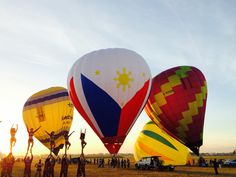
93, 170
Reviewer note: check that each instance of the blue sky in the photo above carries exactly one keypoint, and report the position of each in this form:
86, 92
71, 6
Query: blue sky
40, 40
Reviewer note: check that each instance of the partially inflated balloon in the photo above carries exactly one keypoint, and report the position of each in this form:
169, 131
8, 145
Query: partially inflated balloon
53, 111
177, 102
153, 141
109, 88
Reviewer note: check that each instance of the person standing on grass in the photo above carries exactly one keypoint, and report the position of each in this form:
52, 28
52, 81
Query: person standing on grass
38, 166
28, 161
51, 166
215, 165
64, 166
4, 167
128, 163
10, 164
78, 168
81, 166
46, 167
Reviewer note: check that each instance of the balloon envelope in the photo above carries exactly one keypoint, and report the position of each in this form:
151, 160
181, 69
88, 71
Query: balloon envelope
109, 88
53, 111
153, 141
177, 103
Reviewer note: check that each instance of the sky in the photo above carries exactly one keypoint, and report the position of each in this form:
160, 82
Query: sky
40, 41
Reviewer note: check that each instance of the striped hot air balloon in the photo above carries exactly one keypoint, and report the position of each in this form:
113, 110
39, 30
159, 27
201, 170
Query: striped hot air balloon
177, 103
153, 141
51, 109
109, 88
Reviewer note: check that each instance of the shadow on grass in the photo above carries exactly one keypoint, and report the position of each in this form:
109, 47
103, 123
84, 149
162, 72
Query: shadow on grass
203, 173
186, 172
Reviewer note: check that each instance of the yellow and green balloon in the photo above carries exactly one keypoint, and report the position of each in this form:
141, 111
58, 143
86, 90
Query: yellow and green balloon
153, 141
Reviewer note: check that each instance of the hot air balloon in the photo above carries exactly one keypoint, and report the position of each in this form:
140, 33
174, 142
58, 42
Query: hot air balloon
177, 103
109, 88
51, 109
153, 141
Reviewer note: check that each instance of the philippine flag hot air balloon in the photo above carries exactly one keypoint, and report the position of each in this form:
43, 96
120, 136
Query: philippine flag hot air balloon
154, 141
177, 102
109, 88
52, 110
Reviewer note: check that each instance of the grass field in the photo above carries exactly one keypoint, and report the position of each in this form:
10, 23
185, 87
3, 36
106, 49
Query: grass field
93, 170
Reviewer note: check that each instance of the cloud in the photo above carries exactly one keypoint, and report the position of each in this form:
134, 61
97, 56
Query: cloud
34, 38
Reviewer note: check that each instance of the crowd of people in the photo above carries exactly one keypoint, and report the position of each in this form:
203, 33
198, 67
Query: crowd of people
46, 169
119, 163
114, 162
202, 162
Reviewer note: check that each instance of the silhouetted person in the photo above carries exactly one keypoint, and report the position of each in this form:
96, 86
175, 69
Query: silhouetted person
64, 166
52, 140
46, 167
28, 161
118, 163
81, 166
38, 166
10, 164
13, 138
51, 166
4, 167
215, 165
66, 137
78, 169
31, 132
128, 163
124, 163
83, 142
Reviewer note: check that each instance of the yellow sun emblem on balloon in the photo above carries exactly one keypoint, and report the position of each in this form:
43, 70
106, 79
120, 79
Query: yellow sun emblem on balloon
123, 79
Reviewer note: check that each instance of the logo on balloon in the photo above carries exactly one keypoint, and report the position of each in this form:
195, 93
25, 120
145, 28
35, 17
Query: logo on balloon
123, 79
